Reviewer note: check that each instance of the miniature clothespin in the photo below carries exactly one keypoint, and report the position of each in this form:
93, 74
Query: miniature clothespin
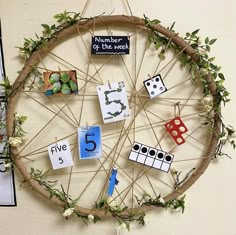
56, 140
176, 105
109, 84
87, 126
112, 181
91, 32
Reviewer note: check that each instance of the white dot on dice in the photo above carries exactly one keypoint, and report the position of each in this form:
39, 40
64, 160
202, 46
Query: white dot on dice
154, 86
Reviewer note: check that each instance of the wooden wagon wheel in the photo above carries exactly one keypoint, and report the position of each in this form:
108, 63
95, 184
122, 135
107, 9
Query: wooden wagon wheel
115, 25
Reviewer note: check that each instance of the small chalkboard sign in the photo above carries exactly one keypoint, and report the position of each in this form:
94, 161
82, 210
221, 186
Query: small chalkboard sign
110, 45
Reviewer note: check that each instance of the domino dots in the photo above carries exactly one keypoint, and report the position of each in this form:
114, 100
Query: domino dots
154, 86
151, 157
176, 128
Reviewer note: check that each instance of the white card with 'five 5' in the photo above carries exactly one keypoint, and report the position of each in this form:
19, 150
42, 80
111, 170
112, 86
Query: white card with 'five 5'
60, 154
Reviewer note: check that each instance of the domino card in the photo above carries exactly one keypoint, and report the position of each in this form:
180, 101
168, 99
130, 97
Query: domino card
176, 128
113, 102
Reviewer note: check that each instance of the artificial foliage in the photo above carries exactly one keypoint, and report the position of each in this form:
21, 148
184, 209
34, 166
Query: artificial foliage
203, 65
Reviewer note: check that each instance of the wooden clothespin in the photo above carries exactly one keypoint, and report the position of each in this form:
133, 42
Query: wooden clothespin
91, 32
87, 126
109, 84
150, 76
176, 105
56, 140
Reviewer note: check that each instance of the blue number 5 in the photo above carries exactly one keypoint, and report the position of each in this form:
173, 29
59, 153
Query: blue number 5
87, 141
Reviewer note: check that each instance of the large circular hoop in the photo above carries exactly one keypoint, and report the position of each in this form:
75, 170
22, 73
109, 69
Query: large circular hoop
85, 25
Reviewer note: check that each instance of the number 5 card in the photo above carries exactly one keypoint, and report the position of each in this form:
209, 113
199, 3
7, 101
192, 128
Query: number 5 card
60, 154
113, 102
90, 145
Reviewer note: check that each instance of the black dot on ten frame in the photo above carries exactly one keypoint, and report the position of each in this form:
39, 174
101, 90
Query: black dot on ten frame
136, 147
152, 152
168, 158
160, 155
144, 150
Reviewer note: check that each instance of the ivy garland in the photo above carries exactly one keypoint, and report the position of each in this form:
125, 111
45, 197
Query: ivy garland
204, 66
199, 70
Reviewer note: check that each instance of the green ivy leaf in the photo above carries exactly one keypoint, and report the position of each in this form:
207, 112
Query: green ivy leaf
45, 26
212, 41
187, 35
211, 59
207, 40
195, 32
221, 76
172, 26
208, 48
155, 21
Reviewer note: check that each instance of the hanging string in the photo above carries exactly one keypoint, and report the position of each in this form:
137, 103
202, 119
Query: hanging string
85, 7
131, 13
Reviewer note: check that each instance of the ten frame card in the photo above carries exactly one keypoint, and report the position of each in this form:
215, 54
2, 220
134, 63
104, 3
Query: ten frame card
151, 157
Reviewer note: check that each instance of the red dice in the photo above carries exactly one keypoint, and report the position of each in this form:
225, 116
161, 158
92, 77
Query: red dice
176, 128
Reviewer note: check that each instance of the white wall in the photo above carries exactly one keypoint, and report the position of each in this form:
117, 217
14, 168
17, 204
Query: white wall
211, 204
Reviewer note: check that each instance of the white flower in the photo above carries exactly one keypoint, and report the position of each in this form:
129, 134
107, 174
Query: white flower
200, 40
178, 209
224, 137
122, 226
162, 201
20, 118
68, 212
227, 134
15, 141
219, 155
204, 71
146, 198
90, 217
146, 219
17, 116
142, 202
112, 204
173, 171
8, 165
207, 102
